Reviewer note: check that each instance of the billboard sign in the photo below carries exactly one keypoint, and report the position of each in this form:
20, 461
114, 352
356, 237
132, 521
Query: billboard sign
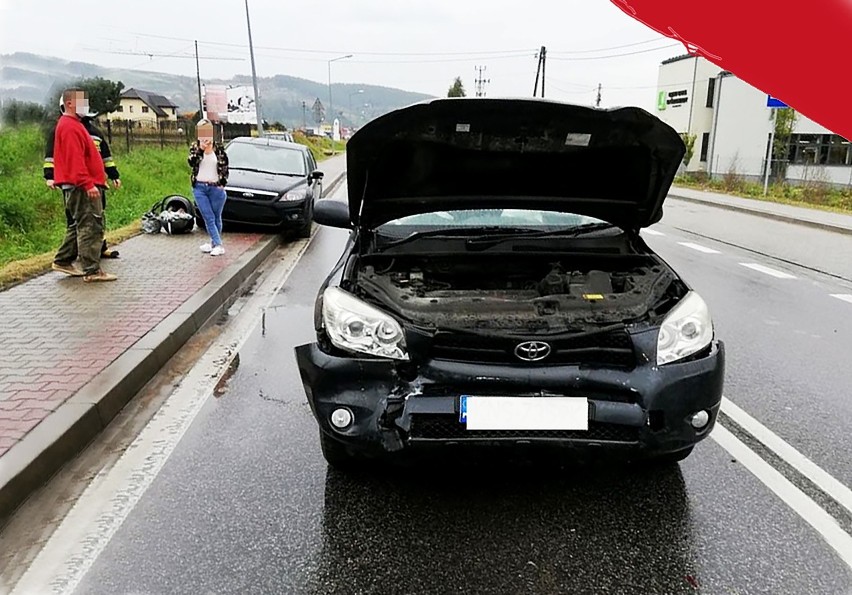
215, 102
241, 109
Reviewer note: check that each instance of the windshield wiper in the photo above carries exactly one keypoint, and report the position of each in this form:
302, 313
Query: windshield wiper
486, 241
263, 171
453, 232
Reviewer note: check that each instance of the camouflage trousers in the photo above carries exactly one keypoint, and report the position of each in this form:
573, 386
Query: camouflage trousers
84, 234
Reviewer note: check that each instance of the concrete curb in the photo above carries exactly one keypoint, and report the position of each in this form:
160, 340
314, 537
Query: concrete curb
67, 431
764, 214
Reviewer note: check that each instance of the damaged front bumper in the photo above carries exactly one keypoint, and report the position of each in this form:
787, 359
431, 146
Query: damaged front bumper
400, 405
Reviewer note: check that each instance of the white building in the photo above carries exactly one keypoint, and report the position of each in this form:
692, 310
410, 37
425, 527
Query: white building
741, 136
685, 99
732, 124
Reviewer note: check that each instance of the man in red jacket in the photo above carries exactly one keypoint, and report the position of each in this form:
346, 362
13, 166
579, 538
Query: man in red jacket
78, 170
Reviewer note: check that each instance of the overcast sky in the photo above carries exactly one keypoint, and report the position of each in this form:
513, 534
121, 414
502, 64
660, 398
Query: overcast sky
417, 45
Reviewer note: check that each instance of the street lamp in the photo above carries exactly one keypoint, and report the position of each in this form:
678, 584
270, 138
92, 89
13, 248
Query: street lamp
257, 111
330, 104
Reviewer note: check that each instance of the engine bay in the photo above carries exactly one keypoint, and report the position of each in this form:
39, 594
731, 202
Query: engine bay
518, 293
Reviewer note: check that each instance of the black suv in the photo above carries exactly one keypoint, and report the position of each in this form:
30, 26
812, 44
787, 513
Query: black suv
495, 289
272, 183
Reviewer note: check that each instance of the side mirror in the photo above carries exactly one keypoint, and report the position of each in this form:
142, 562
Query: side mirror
317, 175
332, 213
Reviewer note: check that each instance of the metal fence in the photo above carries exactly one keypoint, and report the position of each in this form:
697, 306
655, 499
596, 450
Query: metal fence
128, 135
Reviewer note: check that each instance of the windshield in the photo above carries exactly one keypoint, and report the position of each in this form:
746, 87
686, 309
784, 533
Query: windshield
507, 218
271, 159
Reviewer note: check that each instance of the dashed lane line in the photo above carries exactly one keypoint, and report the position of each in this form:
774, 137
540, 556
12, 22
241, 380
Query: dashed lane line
843, 296
699, 248
652, 232
767, 271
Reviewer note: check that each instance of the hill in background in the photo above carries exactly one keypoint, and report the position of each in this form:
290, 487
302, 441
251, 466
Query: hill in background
30, 77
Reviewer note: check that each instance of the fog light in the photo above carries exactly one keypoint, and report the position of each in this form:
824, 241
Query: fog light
341, 418
699, 420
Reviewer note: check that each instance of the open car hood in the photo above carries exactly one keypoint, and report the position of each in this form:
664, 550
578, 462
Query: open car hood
450, 154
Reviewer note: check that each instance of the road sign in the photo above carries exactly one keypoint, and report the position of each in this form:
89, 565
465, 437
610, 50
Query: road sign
773, 102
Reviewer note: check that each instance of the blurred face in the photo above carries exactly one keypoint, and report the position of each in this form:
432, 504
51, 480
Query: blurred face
205, 136
77, 103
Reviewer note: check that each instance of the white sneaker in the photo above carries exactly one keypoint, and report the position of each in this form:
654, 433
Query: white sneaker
217, 251
206, 248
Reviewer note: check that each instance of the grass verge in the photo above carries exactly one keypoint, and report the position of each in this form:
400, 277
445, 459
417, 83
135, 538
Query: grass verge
32, 220
812, 195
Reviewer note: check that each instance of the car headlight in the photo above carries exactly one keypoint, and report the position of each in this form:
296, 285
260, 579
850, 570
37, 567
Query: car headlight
687, 329
355, 326
297, 194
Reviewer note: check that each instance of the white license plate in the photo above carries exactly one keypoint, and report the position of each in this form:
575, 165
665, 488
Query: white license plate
524, 413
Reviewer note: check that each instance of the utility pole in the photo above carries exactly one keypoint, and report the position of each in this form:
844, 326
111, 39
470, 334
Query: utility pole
598, 101
539, 71
257, 111
480, 82
305, 115
198, 77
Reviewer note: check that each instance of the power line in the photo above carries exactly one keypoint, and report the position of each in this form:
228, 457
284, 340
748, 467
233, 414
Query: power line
156, 55
481, 53
671, 45
315, 51
615, 47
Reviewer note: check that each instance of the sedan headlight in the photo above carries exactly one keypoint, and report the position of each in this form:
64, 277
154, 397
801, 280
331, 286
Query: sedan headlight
294, 195
355, 326
687, 329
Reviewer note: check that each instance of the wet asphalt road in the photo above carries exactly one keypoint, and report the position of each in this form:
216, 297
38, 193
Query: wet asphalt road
246, 504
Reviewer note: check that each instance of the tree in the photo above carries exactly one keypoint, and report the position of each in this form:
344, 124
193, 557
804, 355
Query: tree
457, 89
689, 141
16, 112
785, 120
104, 95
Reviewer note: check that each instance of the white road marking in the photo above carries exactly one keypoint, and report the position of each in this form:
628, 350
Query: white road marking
826, 525
766, 270
699, 248
652, 232
102, 508
843, 296
790, 455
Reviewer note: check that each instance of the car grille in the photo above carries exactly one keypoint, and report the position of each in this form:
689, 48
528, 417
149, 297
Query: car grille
447, 427
611, 348
249, 194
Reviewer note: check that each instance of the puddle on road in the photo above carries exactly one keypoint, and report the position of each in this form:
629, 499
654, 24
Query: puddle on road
225, 380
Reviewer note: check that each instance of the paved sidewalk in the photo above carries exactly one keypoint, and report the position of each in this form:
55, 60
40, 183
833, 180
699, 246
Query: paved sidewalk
72, 354
836, 222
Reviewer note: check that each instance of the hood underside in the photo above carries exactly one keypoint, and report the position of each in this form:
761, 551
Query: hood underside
450, 154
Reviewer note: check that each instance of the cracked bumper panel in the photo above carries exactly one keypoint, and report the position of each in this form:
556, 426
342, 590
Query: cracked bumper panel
397, 405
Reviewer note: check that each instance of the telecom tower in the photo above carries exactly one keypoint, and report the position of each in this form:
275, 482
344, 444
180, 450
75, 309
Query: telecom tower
481, 82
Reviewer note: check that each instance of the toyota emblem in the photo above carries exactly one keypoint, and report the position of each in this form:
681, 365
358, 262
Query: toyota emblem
532, 351
248, 195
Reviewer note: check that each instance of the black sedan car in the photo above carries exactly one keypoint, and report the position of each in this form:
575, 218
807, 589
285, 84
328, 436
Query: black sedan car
272, 184
495, 290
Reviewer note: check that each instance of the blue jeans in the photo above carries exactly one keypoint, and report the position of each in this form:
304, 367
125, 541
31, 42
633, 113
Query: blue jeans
211, 202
